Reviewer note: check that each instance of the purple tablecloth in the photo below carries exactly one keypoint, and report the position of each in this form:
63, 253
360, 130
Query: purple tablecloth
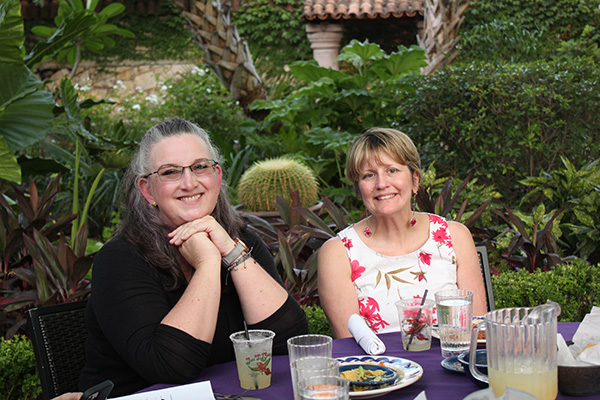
437, 382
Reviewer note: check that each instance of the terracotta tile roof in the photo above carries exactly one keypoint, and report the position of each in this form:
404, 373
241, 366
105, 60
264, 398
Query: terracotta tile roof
361, 9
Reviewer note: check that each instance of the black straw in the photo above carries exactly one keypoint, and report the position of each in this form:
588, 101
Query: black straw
246, 330
412, 335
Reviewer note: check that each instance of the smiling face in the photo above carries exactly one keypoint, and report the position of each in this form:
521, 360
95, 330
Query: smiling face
192, 196
386, 186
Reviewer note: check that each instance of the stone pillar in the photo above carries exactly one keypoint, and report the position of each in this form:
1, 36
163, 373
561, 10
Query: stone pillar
325, 41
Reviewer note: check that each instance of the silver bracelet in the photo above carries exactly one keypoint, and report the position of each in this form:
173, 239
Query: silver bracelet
239, 248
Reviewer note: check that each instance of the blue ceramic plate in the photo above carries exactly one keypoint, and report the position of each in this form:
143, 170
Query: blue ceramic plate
452, 364
387, 376
409, 372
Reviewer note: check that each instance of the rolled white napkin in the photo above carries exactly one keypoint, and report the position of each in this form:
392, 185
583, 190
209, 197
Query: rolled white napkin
364, 336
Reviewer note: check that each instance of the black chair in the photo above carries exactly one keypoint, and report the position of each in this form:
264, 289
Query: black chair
58, 334
487, 277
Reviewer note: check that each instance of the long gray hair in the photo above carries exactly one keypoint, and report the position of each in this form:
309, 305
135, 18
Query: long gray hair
142, 225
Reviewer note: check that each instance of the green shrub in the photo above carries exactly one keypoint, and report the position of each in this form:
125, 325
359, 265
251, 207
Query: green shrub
575, 286
274, 29
557, 19
511, 121
19, 378
317, 321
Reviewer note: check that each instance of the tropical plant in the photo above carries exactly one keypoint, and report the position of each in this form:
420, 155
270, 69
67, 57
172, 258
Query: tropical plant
96, 38
445, 202
364, 93
296, 242
39, 265
533, 242
579, 187
25, 107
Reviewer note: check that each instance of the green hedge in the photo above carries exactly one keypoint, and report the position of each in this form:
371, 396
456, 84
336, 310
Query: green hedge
18, 371
575, 286
317, 321
512, 121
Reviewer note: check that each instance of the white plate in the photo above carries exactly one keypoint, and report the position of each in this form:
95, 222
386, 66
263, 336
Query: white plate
409, 371
436, 334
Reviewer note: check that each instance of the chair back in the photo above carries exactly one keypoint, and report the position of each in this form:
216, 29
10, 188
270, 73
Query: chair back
58, 334
487, 277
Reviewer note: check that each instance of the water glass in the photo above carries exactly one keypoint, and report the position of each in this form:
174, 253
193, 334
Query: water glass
415, 323
309, 346
324, 388
455, 315
253, 355
306, 367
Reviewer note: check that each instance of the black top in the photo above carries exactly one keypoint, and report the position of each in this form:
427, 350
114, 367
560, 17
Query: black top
127, 343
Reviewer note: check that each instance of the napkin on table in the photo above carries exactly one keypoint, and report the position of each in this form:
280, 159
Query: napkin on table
364, 336
585, 349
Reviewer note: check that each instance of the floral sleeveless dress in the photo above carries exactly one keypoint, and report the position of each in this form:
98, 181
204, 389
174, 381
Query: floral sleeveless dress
381, 280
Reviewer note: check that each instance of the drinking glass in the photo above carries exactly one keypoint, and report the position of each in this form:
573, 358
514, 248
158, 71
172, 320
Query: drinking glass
415, 323
455, 315
306, 367
309, 346
324, 388
253, 355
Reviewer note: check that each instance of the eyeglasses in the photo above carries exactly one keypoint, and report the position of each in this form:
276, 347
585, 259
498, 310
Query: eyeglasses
173, 173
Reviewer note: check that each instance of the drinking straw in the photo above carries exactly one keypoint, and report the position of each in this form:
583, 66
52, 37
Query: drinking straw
412, 334
246, 330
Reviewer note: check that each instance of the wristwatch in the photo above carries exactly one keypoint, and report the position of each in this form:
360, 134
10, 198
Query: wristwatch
239, 248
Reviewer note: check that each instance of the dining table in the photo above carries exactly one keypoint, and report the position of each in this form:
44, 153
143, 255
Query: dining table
436, 381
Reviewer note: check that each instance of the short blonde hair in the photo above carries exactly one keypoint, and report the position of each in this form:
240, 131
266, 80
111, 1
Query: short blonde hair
370, 143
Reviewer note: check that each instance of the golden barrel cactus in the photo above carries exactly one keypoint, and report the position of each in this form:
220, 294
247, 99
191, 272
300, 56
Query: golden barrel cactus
260, 185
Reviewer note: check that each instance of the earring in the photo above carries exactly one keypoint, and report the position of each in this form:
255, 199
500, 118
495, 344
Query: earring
413, 220
153, 204
367, 231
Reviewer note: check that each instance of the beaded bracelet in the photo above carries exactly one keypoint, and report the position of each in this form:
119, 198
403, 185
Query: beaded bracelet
243, 257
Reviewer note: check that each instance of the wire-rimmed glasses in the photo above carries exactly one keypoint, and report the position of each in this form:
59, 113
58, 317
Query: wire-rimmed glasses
174, 173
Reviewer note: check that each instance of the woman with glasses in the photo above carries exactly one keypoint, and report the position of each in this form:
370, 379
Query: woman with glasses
181, 273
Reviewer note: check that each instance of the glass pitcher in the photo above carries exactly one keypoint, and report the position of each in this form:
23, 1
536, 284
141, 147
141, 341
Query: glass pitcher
521, 350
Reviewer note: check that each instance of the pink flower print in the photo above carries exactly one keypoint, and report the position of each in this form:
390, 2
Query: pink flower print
436, 219
357, 269
347, 242
440, 236
425, 258
369, 310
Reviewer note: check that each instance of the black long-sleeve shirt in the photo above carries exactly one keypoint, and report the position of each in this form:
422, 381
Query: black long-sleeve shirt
127, 343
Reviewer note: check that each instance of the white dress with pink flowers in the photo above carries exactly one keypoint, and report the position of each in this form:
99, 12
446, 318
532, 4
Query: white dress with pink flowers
380, 280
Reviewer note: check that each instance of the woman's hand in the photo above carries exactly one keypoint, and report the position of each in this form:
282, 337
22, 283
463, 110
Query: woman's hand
207, 225
199, 250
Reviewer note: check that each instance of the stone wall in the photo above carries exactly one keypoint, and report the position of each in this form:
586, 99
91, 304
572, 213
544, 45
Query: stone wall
119, 80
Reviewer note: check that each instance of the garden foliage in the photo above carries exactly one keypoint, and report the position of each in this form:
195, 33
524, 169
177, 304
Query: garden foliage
319, 120
18, 370
509, 121
575, 286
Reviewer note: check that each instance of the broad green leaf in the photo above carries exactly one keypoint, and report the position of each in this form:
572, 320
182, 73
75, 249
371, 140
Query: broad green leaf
11, 32
9, 167
17, 82
360, 53
112, 10
404, 61
27, 120
44, 31
310, 71
74, 27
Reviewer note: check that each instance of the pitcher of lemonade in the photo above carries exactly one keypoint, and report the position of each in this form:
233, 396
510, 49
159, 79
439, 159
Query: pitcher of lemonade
521, 350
